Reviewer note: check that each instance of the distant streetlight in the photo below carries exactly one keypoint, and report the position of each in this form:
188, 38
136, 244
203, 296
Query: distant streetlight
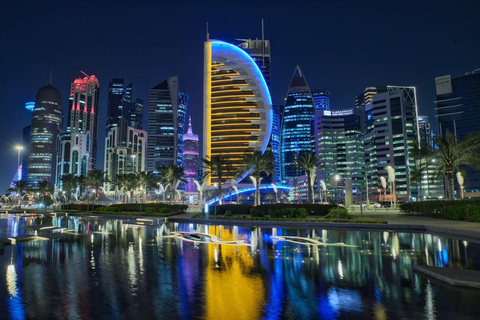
19, 148
337, 178
391, 179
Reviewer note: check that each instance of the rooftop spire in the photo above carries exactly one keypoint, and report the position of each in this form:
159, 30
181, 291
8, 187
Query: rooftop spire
190, 125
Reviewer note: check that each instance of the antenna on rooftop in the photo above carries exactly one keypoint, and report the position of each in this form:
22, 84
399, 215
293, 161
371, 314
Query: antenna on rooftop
86, 75
208, 35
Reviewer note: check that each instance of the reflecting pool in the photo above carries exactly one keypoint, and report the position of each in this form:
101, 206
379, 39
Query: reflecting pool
106, 269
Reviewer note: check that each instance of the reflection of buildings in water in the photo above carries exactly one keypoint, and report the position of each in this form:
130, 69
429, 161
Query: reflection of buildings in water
232, 290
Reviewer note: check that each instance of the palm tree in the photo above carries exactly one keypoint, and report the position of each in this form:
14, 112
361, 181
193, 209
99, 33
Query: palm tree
452, 155
146, 180
422, 154
20, 187
44, 187
82, 184
217, 166
96, 178
121, 183
258, 163
171, 174
132, 184
69, 182
270, 197
309, 162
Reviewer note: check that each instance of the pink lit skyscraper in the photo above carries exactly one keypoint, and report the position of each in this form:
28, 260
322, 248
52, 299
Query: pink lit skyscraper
190, 157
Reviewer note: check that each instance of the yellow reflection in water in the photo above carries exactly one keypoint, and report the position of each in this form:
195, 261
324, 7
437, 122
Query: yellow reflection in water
12, 280
233, 291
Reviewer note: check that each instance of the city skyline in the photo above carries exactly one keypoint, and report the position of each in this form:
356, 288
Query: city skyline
342, 62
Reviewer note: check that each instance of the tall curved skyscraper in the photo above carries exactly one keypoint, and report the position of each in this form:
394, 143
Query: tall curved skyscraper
296, 136
46, 123
237, 105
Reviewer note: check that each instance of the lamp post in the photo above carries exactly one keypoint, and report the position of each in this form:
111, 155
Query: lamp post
461, 180
393, 193
134, 168
19, 148
337, 177
215, 200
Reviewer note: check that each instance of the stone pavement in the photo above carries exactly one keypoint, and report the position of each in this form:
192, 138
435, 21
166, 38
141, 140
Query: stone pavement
464, 230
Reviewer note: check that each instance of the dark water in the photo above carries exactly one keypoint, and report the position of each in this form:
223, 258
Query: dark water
135, 273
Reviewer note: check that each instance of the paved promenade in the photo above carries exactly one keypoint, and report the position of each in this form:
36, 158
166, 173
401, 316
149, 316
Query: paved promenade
463, 230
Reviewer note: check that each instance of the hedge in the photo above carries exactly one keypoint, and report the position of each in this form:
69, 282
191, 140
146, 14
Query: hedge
464, 210
312, 209
156, 207
80, 206
233, 208
342, 212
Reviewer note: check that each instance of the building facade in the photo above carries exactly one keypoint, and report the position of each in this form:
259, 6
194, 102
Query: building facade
321, 99
125, 151
391, 133
46, 123
191, 158
166, 124
458, 111
237, 106
338, 141
296, 139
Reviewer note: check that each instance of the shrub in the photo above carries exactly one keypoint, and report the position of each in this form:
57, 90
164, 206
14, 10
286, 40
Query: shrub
135, 207
164, 210
228, 213
233, 208
106, 209
343, 213
315, 209
150, 210
447, 209
254, 213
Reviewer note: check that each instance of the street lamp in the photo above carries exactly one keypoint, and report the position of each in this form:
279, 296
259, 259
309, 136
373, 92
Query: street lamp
134, 168
19, 148
391, 179
337, 178
461, 180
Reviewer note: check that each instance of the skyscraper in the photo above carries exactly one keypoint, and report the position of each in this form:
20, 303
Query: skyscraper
190, 157
26, 151
237, 105
366, 96
166, 124
321, 99
136, 114
125, 151
83, 113
46, 122
299, 110
116, 105
391, 134
77, 147
259, 50
339, 144
458, 111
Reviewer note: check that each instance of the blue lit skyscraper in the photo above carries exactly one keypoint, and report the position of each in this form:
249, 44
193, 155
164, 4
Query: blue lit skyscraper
237, 105
181, 119
299, 110
321, 99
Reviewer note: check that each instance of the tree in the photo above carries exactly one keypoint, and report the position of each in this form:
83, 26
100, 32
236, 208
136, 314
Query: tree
452, 155
271, 198
309, 162
171, 174
217, 167
132, 183
69, 182
45, 187
20, 187
146, 180
422, 154
82, 184
121, 183
96, 178
258, 163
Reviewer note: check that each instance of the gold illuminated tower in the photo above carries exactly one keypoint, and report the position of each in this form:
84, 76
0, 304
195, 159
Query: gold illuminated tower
237, 105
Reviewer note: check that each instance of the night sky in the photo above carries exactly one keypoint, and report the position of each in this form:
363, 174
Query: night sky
340, 47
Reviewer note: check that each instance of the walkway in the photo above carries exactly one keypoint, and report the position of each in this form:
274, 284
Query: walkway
464, 230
